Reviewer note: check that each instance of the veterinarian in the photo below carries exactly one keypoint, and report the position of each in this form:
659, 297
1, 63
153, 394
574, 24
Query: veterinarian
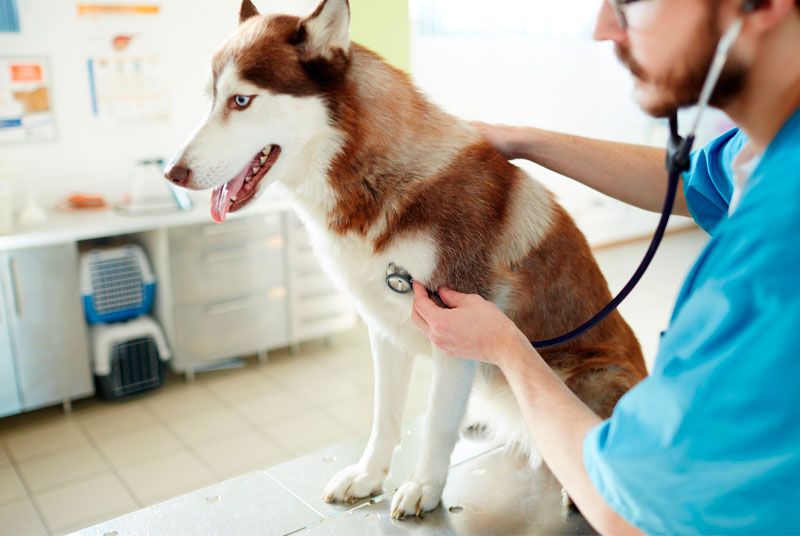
709, 443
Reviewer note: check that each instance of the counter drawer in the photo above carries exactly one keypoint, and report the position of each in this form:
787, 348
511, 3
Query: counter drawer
322, 326
232, 328
207, 274
232, 232
326, 304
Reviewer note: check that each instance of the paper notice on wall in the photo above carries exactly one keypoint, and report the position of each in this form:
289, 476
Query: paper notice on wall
26, 113
9, 16
111, 7
128, 89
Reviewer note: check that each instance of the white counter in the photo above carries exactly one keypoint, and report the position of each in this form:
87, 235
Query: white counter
74, 226
62, 227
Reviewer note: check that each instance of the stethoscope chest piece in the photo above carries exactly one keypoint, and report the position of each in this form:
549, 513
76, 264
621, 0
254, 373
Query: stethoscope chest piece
398, 280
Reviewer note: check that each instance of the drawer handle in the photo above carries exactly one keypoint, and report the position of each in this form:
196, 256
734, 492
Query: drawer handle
322, 293
275, 242
277, 293
313, 319
221, 230
228, 307
226, 256
310, 272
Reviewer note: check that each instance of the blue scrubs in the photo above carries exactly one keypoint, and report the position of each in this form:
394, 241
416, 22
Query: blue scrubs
709, 443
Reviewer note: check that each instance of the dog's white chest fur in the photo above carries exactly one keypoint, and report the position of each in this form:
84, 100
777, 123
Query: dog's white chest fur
356, 269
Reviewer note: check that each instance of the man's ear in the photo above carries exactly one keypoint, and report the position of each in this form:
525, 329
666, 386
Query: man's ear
247, 10
327, 30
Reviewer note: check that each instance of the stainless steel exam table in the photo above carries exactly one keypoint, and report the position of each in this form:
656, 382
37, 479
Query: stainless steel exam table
490, 491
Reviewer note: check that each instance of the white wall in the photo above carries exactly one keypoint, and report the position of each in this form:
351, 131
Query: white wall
566, 82
90, 155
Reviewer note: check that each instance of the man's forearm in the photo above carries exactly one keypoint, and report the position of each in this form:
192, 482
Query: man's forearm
558, 422
633, 174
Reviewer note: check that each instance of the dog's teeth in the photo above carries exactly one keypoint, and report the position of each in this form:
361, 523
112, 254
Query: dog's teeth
255, 169
233, 198
266, 151
263, 160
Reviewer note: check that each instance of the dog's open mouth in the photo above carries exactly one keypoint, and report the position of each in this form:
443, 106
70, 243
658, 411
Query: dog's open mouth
238, 191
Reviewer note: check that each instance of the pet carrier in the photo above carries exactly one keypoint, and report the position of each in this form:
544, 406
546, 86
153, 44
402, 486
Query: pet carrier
117, 284
129, 357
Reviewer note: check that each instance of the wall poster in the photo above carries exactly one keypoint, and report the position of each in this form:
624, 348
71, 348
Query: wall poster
26, 113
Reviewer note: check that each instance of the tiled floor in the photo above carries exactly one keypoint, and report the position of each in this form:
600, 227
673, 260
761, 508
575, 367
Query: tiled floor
62, 472
59, 473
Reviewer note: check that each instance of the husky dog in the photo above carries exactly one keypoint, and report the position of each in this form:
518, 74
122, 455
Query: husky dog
380, 176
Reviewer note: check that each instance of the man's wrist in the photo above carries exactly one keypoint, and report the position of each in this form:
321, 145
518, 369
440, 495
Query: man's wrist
515, 348
524, 144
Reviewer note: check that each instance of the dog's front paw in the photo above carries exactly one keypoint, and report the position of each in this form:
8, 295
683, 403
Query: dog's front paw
415, 497
353, 483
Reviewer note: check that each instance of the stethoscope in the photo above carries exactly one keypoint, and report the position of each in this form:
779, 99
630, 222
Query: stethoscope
678, 161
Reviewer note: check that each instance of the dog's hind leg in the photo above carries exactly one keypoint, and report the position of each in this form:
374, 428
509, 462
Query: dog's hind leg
452, 382
392, 375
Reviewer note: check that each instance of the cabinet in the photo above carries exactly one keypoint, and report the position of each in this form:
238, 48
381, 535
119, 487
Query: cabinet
228, 289
9, 394
43, 335
317, 307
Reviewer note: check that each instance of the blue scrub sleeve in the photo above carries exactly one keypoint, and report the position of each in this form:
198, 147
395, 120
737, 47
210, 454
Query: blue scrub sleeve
705, 443
708, 185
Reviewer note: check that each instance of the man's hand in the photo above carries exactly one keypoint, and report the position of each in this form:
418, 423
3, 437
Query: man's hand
472, 328
505, 138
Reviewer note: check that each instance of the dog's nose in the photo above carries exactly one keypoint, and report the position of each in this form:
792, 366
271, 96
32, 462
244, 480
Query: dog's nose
178, 174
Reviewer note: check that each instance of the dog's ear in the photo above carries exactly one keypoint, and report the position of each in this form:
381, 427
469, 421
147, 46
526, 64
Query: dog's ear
247, 10
327, 30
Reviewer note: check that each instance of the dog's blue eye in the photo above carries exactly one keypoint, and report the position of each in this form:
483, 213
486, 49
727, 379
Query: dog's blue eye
242, 101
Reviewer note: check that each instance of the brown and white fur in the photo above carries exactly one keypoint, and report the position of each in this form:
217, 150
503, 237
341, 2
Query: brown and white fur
380, 175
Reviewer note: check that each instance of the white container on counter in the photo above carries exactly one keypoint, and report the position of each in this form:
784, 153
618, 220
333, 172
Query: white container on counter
6, 207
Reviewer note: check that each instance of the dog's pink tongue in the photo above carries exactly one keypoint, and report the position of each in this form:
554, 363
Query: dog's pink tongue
221, 196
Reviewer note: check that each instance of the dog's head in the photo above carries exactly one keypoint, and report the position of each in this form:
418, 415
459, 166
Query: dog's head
267, 93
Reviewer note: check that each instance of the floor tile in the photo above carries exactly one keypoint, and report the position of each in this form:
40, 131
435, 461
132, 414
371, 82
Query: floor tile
70, 505
4, 459
307, 431
61, 467
293, 369
36, 417
272, 405
116, 417
177, 399
165, 475
19, 518
132, 446
208, 424
32, 441
330, 389
11, 486
235, 454
235, 385
95, 519
355, 412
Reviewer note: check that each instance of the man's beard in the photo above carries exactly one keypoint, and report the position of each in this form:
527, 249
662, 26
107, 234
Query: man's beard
681, 87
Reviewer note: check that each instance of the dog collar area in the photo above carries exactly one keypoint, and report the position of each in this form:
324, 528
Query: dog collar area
398, 280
